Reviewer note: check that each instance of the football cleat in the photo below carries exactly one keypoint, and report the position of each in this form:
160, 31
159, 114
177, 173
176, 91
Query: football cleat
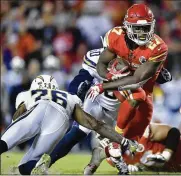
133, 168
42, 165
96, 160
110, 162
121, 166
90, 169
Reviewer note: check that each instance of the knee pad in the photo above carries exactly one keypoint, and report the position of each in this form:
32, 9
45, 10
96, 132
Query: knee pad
25, 169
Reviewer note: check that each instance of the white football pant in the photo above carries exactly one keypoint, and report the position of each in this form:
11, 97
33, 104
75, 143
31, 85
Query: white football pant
45, 121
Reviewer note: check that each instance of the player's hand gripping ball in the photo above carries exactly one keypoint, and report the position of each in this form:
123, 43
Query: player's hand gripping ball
117, 68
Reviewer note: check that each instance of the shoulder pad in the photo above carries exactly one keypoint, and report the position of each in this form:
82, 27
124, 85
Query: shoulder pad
91, 58
112, 35
20, 99
159, 49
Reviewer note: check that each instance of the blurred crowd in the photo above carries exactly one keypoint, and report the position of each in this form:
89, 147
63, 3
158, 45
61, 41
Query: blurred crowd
52, 37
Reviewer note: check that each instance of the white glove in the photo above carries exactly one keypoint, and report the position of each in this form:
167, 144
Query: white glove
132, 168
114, 77
94, 91
115, 73
104, 142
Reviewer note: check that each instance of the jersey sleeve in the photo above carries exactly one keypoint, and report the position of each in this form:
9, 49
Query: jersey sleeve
159, 53
90, 61
111, 38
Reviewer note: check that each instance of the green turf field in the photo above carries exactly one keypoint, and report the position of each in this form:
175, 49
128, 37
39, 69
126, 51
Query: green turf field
71, 164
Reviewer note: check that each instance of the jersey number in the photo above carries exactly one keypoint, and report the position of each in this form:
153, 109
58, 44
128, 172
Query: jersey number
153, 45
95, 52
56, 96
118, 31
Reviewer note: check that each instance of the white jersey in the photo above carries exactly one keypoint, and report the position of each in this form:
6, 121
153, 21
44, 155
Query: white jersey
58, 98
106, 99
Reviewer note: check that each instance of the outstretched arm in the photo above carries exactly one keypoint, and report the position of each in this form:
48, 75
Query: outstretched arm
90, 122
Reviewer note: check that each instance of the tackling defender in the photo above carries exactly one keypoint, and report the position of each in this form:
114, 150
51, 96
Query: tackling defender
44, 112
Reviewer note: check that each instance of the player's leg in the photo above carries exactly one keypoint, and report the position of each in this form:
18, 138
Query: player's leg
128, 108
53, 128
98, 153
65, 145
76, 134
142, 118
24, 128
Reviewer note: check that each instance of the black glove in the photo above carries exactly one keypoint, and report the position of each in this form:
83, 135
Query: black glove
164, 76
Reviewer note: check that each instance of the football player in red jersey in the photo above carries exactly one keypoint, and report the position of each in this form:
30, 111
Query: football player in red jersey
162, 149
145, 53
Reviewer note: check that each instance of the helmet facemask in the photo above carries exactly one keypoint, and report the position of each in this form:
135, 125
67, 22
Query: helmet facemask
140, 33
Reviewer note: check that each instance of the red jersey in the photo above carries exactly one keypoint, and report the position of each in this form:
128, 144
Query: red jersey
153, 51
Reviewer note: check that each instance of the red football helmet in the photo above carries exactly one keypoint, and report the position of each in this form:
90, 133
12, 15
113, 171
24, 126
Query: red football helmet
139, 23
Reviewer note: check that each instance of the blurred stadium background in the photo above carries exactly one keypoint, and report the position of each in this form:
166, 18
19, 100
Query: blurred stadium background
53, 36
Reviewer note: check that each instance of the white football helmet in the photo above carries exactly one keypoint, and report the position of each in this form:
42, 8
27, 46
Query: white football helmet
44, 82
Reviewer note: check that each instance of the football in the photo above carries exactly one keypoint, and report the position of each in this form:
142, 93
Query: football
118, 68
118, 64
